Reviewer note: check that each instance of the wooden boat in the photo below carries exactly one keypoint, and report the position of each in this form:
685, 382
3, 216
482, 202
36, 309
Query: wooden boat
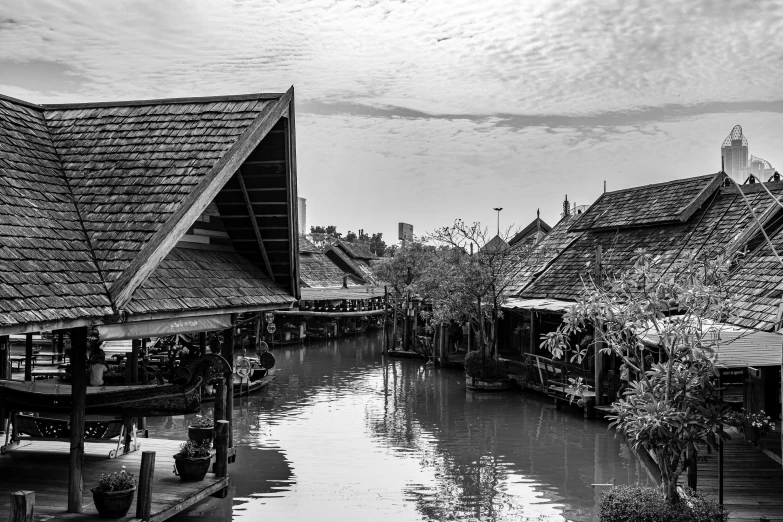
408, 354
257, 382
182, 395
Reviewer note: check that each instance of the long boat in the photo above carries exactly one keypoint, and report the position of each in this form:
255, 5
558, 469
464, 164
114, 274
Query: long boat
182, 395
409, 354
256, 383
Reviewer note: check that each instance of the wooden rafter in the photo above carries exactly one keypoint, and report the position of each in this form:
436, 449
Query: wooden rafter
254, 221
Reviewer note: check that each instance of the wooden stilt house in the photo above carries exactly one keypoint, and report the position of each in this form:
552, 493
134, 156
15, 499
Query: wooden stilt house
126, 220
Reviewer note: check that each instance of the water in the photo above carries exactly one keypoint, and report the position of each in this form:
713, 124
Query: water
345, 434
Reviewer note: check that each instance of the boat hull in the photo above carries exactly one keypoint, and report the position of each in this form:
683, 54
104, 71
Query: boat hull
407, 354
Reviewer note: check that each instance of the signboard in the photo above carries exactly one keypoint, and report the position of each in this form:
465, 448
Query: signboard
142, 329
405, 232
271, 328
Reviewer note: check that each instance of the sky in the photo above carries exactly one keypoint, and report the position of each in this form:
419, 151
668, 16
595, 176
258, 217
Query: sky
428, 111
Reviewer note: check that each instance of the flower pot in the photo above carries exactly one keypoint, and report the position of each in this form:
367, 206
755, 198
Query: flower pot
200, 434
192, 469
113, 504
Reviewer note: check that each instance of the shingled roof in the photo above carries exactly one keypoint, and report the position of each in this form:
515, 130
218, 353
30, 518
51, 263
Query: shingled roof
722, 224
316, 270
95, 196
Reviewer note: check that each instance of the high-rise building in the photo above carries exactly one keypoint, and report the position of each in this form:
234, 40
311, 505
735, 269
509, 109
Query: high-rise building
301, 205
734, 152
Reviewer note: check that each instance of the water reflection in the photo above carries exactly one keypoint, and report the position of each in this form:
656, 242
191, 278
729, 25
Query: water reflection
344, 434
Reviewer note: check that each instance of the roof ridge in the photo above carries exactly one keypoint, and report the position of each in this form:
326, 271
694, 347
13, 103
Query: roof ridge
162, 101
672, 182
31, 105
61, 170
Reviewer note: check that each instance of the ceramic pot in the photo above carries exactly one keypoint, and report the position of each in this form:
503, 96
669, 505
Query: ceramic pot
200, 434
192, 469
113, 504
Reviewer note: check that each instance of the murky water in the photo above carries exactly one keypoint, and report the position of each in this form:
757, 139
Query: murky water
345, 434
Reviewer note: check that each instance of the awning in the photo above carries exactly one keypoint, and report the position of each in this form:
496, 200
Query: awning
141, 329
739, 347
548, 305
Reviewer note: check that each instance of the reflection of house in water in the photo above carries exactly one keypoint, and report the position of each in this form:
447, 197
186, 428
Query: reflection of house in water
677, 220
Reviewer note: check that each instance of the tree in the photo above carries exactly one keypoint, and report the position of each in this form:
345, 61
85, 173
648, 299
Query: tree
350, 236
673, 408
378, 245
330, 231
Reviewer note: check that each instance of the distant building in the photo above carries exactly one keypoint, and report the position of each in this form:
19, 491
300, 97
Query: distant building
734, 152
302, 210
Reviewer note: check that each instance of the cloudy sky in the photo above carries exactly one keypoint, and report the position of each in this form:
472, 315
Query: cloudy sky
426, 111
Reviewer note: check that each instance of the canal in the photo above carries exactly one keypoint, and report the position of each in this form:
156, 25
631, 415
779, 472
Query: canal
345, 434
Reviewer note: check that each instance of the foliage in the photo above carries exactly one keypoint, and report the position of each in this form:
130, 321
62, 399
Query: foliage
202, 421
648, 504
194, 449
118, 481
330, 231
761, 421
378, 245
486, 368
673, 408
409, 270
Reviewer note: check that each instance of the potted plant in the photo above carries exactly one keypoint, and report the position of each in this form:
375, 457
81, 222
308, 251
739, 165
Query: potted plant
484, 373
192, 461
113, 495
201, 429
754, 426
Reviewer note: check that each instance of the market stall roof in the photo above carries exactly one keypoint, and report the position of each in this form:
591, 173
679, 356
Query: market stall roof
324, 294
548, 305
94, 197
738, 347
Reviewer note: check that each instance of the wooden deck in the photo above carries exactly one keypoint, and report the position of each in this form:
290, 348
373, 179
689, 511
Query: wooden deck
752, 481
42, 467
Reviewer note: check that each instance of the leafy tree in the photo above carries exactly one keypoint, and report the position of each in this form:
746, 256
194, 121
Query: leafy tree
330, 231
673, 408
350, 237
377, 244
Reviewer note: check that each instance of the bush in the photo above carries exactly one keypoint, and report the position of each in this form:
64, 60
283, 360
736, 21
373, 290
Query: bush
117, 481
486, 369
202, 421
194, 450
648, 504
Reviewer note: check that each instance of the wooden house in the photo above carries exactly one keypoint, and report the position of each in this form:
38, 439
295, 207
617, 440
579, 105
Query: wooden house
678, 220
143, 218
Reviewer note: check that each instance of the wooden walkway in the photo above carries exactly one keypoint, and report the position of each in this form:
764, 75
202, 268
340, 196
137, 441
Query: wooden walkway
42, 467
752, 482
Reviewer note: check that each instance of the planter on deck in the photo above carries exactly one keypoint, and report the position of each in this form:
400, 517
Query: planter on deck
192, 469
200, 434
113, 504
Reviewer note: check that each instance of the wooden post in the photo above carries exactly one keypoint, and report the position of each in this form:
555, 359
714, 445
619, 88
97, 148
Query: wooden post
60, 346
22, 506
228, 354
28, 357
597, 363
415, 325
78, 398
5, 353
394, 326
144, 498
385, 342
221, 448
134, 361
692, 473
202, 343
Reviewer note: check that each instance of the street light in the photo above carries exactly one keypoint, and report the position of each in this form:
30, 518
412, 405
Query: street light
498, 211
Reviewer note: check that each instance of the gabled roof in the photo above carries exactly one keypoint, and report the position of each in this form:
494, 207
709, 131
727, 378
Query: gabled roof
671, 202
535, 230
316, 270
356, 250
95, 196
495, 244
358, 267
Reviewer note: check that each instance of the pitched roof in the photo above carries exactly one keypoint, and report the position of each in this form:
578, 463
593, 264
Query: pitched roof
359, 268
670, 202
94, 196
535, 230
316, 270
494, 244
356, 250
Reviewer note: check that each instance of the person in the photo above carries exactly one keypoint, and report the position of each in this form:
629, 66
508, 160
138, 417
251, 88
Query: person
625, 377
97, 369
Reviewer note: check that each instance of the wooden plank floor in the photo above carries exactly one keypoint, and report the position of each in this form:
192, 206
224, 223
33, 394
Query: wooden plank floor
752, 482
42, 467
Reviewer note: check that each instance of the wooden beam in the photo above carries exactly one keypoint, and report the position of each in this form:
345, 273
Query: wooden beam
5, 353
251, 214
194, 204
79, 399
228, 354
276, 305
293, 208
22, 506
28, 357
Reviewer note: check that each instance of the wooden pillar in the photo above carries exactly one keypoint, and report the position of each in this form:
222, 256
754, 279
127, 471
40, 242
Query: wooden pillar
221, 448
598, 362
22, 506
385, 341
394, 326
228, 354
692, 472
134, 361
78, 398
28, 357
5, 354
202, 343
60, 346
146, 473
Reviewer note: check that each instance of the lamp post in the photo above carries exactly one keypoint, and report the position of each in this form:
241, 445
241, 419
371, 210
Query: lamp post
496, 209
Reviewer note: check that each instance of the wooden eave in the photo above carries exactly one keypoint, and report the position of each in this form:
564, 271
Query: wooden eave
193, 205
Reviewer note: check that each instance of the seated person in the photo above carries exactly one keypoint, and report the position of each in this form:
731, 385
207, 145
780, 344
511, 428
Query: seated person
149, 373
97, 369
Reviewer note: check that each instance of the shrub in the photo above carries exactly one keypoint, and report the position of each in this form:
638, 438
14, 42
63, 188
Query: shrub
117, 481
202, 421
648, 504
485, 367
194, 449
